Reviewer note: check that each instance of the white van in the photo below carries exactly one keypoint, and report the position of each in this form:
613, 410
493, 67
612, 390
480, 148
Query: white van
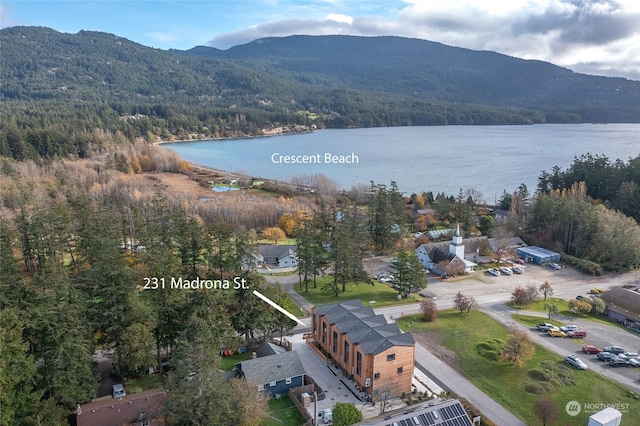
117, 390
327, 416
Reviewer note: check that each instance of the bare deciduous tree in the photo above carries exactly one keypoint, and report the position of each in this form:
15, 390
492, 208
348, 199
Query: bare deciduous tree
519, 348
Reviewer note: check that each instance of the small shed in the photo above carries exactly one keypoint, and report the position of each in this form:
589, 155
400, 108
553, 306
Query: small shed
538, 255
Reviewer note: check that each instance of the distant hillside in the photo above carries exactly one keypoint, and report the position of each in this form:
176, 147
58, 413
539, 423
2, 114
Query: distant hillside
432, 71
57, 88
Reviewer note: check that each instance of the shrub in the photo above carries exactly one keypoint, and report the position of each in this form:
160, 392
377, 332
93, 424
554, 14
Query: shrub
586, 266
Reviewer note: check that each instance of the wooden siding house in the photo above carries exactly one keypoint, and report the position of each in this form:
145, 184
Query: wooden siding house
376, 355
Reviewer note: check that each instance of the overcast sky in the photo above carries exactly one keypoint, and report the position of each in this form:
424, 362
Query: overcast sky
590, 36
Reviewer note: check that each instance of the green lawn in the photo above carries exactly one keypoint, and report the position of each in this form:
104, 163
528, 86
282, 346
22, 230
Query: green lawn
286, 413
478, 339
286, 241
227, 362
533, 321
143, 383
376, 295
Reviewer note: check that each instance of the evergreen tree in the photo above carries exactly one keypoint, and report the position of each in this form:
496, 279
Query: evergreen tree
17, 371
409, 273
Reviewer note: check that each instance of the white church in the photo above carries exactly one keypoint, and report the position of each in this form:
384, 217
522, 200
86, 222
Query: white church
435, 258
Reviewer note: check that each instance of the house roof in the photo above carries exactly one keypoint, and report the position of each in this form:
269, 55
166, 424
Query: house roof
470, 245
623, 301
364, 327
147, 405
272, 368
511, 242
448, 412
279, 251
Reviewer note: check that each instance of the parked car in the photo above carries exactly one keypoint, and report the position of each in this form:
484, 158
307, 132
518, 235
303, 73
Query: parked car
577, 334
517, 270
553, 332
634, 362
605, 356
569, 327
506, 271
616, 361
520, 261
493, 272
576, 362
544, 326
117, 390
590, 349
555, 266
616, 350
327, 416
629, 355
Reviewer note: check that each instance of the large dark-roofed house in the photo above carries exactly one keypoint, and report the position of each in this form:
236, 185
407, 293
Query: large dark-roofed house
376, 355
623, 305
274, 373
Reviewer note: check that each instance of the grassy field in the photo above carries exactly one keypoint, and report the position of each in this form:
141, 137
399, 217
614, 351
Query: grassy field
376, 295
285, 413
478, 339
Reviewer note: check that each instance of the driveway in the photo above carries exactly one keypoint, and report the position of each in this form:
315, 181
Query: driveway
317, 368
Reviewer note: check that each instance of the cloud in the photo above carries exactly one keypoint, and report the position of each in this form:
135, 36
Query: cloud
339, 18
569, 33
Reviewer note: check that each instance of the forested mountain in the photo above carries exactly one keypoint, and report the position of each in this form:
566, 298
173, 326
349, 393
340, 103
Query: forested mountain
58, 90
433, 71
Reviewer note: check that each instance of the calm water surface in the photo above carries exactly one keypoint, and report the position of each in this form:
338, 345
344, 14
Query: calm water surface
489, 159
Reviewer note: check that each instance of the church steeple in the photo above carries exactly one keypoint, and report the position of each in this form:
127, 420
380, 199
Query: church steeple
457, 247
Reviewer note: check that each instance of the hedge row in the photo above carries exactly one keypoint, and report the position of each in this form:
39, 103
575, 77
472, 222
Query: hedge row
583, 265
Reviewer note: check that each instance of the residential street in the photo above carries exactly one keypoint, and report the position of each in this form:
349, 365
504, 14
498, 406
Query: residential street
491, 293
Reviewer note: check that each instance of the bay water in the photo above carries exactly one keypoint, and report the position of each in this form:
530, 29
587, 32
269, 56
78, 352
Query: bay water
488, 159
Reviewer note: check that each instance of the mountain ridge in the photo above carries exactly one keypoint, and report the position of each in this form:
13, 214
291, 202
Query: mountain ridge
56, 88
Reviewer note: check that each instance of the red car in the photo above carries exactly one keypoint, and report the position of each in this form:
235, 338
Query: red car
577, 334
590, 349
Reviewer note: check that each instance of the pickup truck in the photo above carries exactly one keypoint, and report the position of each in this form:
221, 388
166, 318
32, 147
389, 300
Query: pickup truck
545, 326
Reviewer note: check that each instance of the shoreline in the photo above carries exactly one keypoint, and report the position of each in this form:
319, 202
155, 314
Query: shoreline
264, 135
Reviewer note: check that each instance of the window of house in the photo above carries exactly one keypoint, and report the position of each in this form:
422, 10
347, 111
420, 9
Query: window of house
399, 370
346, 352
335, 342
391, 357
288, 381
376, 376
324, 332
358, 363
260, 388
272, 384
314, 321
